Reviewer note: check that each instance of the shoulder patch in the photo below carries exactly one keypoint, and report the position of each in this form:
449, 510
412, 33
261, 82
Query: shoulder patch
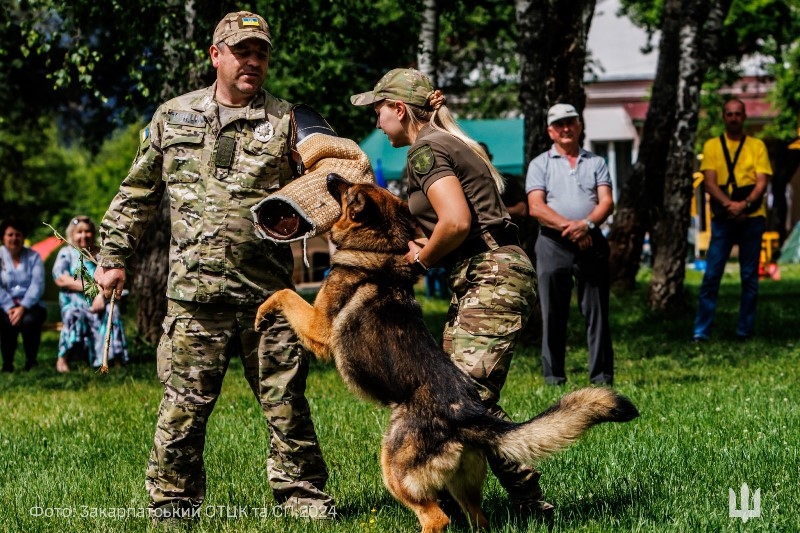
186, 118
422, 159
144, 139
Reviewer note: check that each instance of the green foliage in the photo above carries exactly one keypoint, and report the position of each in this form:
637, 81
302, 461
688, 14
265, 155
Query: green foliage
786, 97
38, 180
764, 29
323, 52
105, 171
713, 416
478, 59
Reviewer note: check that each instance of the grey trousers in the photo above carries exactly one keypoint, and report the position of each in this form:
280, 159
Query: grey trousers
559, 267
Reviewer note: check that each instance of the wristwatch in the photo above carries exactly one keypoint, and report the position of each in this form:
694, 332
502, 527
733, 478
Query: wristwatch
590, 224
419, 265
747, 204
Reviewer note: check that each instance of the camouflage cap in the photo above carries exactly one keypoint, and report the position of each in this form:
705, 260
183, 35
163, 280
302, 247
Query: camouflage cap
238, 26
404, 84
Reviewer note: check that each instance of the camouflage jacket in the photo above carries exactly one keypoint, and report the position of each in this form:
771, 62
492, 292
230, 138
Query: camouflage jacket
212, 175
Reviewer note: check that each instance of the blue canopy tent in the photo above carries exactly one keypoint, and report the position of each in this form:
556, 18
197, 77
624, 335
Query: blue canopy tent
504, 137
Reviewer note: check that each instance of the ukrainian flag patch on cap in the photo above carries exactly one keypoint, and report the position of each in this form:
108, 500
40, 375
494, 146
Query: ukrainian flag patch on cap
249, 21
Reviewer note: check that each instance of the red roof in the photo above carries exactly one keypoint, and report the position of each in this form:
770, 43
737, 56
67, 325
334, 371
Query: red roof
755, 108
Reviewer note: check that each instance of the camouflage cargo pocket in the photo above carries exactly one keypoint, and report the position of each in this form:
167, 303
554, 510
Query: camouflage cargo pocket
480, 341
164, 353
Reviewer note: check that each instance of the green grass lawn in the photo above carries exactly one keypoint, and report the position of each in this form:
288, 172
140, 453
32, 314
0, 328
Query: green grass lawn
73, 448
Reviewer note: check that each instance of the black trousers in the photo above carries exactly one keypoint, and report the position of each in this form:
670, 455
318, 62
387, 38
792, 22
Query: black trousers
31, 329
560, 266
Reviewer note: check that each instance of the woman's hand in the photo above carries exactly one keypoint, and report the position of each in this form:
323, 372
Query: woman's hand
98, 304
15, 315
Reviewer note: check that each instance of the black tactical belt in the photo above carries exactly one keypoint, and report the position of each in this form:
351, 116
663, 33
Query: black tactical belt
489, 240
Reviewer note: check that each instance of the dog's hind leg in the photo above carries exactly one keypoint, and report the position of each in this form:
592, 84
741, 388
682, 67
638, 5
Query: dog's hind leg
413, 489
466, 486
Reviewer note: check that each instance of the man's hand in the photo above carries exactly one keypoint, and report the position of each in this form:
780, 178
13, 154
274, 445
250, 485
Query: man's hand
110, 280
575, 231
736, 209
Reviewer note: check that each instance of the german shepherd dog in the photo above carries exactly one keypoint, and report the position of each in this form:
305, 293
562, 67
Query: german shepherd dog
367, 319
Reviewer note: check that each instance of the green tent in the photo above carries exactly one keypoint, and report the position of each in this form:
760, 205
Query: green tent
504, 137
790, 251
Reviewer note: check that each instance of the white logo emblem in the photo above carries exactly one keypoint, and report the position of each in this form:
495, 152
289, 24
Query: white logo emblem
745, 513
264, 131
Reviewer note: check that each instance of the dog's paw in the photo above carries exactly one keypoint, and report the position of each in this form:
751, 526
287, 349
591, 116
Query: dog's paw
265, 316
264, 321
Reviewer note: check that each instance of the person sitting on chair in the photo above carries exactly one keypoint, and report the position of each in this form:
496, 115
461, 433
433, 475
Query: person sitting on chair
85, 321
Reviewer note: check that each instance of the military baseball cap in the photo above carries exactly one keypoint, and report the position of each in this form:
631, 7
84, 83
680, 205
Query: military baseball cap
405, 84
238, 26
560, 112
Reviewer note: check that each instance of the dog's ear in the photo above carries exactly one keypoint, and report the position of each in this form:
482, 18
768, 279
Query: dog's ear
357, 204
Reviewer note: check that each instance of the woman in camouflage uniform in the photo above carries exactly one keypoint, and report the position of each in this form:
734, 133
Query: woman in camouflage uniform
454, 193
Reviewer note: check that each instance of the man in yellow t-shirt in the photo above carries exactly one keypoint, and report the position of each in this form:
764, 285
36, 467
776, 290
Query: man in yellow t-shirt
736, 170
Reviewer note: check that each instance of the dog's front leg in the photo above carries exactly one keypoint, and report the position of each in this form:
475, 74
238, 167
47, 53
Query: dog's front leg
311, 326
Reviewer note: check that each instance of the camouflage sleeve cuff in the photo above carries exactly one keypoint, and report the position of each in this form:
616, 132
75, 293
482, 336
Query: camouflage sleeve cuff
110, 261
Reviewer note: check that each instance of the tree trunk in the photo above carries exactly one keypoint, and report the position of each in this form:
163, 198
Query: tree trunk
552, 65
428, 37
552, 62
150, 267
785, 163
702, 24
634, 214
150, 264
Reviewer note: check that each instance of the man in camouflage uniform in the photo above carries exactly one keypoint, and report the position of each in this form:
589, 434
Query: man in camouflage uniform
217, 152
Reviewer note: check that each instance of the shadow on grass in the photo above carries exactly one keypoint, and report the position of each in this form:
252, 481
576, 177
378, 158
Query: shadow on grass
81, 377
778, 313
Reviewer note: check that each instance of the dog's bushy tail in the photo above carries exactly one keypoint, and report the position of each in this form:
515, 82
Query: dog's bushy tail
563, 423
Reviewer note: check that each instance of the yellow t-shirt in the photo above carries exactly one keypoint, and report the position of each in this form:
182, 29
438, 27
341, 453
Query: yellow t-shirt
752, 160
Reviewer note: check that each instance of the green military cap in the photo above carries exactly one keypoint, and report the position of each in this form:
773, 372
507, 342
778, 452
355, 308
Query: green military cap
238, 26
405, 84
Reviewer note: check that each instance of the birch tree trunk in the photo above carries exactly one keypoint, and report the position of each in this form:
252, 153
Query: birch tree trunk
428, 37
699, 37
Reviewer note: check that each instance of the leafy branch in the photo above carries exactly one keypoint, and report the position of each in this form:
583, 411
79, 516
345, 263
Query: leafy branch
88, 284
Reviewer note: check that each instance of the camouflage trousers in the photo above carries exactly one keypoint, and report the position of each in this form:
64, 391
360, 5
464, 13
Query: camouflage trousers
193, 356
493, 295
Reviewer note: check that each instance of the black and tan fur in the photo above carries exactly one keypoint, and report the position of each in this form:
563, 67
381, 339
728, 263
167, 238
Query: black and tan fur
366, 318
